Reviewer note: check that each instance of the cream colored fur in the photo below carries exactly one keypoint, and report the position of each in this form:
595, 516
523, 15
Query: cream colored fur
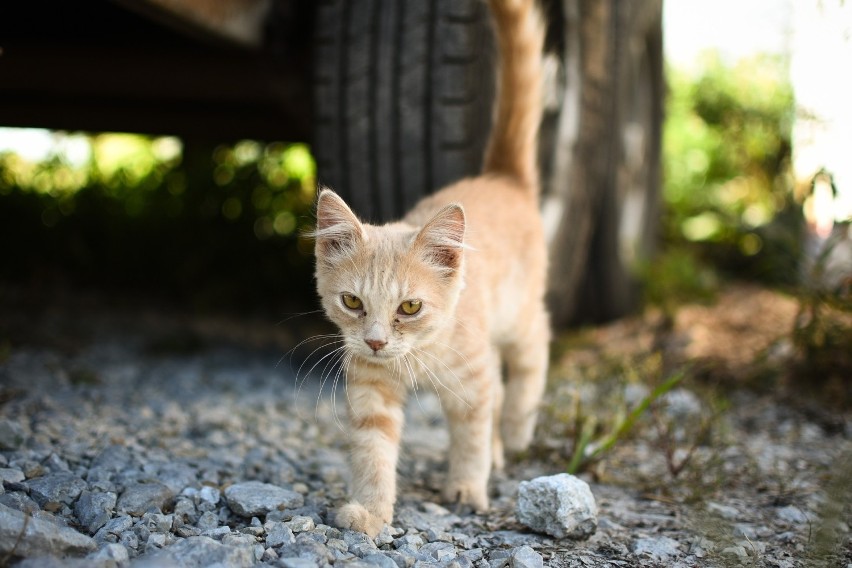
473, 255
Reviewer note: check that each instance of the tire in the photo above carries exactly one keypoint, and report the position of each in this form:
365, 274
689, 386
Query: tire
626, 233
402, 98
601, 155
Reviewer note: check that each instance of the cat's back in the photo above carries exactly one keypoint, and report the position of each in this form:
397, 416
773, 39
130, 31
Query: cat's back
499, 216
506, 255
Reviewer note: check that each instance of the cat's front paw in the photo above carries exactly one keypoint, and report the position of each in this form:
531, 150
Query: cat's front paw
356, 517
467, 493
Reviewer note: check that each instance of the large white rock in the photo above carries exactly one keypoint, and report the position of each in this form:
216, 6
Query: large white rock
559, 505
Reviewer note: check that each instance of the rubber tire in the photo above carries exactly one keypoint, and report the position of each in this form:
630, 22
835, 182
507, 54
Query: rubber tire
402, 98
612, 287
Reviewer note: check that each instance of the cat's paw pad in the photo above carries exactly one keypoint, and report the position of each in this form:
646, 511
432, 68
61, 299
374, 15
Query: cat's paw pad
356, 517
467, 493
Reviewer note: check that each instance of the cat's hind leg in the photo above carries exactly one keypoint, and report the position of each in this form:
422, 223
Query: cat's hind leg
526, 359
498, 459
470, 415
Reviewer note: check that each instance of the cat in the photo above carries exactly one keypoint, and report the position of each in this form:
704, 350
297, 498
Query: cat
446, 297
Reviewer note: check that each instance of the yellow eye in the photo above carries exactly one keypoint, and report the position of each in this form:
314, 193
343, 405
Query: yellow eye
410, 307
352, 302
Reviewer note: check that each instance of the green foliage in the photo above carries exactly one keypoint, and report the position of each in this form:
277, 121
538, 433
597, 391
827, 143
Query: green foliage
214, 226
676, 277
587, 449
728, 187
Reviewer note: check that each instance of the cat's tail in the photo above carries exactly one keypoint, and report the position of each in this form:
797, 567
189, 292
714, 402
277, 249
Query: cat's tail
513, 146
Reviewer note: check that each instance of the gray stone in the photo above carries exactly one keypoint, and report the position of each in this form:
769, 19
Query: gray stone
129, 539
401, 560
115, 526
138, 498
185, 511
300, 524
526, 557
434, 536
681, 404
111, 554
792, 515
560, 505
296, 562
156, 540
53, 562
351, 537
660, 548
239, 539
746, 530
187, 531
113, 459
514, 539
252, 530
93, 510
384, 537
279, 536
11, 475
207, 521
413, 540
473, 554
56, 464
217, 533
378, 559
735, 551
158, 522
53, 489
269, 556
210, 495
11, 435
29, 536
313, 551
176, 476
362, 549
724, 511
254, 498
201, 552
19, 501
440, 551
432, 517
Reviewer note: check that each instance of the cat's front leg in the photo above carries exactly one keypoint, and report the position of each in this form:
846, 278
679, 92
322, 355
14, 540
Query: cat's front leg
376, 417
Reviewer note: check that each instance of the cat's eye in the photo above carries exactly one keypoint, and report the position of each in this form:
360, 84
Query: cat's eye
410, 307
352, 302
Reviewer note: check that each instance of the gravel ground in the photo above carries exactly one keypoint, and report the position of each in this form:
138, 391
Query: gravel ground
116, 453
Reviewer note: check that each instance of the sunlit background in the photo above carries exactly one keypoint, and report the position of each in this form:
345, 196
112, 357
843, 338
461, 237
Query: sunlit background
758, 125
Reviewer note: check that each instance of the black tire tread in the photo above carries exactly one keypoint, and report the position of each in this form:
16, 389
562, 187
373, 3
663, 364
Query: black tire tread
403, 94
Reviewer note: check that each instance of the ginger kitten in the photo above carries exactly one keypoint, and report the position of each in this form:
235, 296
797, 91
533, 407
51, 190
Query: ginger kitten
445, 298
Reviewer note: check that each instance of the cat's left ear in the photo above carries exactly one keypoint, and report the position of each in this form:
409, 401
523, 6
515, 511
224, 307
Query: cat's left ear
442, 239
338, 229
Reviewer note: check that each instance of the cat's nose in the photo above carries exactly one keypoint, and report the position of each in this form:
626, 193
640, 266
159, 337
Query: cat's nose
375, 344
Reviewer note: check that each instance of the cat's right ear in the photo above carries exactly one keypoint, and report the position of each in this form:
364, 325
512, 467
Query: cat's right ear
338, 229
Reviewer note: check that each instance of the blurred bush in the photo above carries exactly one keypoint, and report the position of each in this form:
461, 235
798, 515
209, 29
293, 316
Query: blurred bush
728, 186
216, 226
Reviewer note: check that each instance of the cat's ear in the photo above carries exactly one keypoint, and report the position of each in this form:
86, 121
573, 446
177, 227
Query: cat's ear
338, 229
441, 240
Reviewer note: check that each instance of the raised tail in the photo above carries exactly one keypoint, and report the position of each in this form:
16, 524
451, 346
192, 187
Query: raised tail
513, 146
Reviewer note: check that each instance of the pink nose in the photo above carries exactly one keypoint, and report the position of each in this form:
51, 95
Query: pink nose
375, 344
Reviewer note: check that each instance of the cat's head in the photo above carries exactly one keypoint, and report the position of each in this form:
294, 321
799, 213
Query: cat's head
388, 288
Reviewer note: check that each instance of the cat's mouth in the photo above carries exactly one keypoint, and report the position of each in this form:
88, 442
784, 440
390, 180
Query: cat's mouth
377, 356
